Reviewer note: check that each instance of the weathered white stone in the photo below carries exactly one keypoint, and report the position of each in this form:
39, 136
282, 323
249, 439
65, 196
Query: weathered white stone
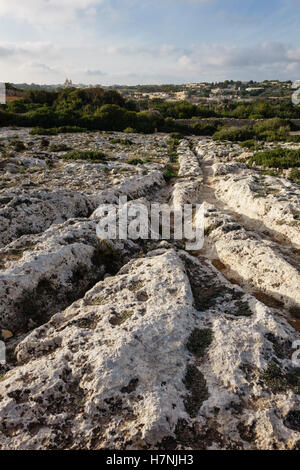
35, 212
166, 353
111, 370
270, 201
251, 260
133, 188
188, 187
225, 168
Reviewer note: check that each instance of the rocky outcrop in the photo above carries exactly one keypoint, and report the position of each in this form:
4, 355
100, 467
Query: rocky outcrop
249, 259
188, 187
132, 188
35, 212
44, 273
138, 344
270, 201
140, 362
188, 161
266, 202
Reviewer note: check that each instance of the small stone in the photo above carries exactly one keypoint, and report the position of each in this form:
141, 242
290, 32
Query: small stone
6, 334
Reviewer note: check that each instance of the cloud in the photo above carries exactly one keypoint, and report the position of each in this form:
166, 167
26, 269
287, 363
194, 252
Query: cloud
42, 61
15, 50
47, 12
197, 2
4, 52
95, 73
40, 67
155, 51
274, 56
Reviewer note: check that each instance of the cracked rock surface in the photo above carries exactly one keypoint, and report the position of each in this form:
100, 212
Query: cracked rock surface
140, 344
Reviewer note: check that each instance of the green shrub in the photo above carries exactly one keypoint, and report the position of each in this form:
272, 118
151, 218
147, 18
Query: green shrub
234, 134
294, 138
176, 136
41, 131
173, 157
268, 130
18, 145
250, 144
171, 171
272, 129
59, 148
70, 129
57, 130
204, 129
121, 141
44, 143
199, 340
195, 383
135, 161
295, 176
273, 172
277, 158
89, 155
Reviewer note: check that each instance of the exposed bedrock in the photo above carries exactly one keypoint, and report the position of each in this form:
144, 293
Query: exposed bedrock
141, 362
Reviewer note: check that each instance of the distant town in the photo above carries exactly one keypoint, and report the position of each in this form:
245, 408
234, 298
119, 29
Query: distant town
194, 93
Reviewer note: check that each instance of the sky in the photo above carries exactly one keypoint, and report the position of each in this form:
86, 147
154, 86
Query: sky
148, 41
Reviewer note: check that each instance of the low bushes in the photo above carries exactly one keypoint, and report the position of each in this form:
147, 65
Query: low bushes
270, 130
89, 155
205, 129
277, 158
171, 171
295, 176
18, 145
57, 130
234, 134
250, 144
59, 148
135, 161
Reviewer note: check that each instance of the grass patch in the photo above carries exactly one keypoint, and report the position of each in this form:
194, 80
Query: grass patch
135, 161
4, 377
172, 143
59, 148
195, 383
44, 143
250, 144
118, 319
57, 130
173, 157
90, 155
18, 145
106, 254
199, 340
170, 172
275, 173
208, 230
243, 309
126, 142
279, 381
87, 323
129, 130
